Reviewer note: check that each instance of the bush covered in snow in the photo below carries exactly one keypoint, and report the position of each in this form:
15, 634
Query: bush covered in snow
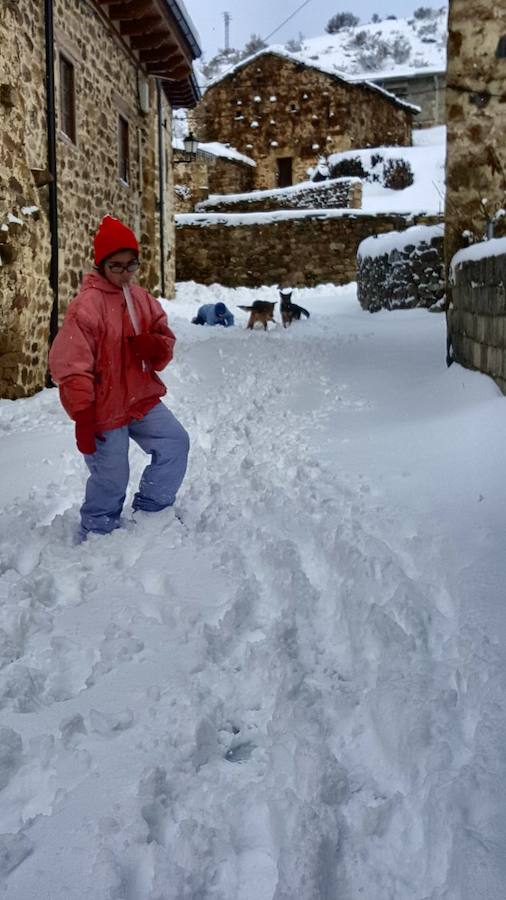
401, 270
374, 48
425, 12
349, 167
341, 20
397, 174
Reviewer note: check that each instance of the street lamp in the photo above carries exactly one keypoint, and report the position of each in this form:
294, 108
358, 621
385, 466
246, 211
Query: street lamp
190, 144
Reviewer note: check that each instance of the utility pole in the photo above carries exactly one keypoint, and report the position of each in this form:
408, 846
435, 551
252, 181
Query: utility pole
227, 17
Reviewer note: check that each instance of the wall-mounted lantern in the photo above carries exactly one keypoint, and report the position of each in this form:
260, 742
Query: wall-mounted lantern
190, 144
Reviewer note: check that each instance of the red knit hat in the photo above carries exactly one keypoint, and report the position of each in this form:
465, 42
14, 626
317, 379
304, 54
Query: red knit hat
111, 237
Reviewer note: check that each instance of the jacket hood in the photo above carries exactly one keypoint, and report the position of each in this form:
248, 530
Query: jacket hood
98, 282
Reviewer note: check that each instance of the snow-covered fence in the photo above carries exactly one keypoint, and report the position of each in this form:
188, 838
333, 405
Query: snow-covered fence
477, 313
304, 247
401, 270
339, 193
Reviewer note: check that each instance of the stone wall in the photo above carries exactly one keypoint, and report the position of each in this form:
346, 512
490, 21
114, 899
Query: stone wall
303, 249
477, 316
338, 193
208, 174
476, 117
274, 107
25, 296
401, 271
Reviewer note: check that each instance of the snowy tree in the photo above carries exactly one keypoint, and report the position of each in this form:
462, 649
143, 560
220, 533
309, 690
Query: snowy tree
424, 12
294, 45
254, 44
341, 20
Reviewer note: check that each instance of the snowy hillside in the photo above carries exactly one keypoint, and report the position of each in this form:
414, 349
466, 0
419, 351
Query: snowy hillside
299, 693
393, 47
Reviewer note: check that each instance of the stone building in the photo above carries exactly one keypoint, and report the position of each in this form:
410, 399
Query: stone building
476, 117
216, 169
424, 88
476, 185
86, 93
285, 114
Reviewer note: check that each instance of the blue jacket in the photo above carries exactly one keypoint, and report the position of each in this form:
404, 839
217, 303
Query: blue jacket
209, 316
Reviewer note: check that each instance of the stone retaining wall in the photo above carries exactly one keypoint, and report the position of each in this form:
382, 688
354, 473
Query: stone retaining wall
477, 316
338, 193
409, 273
300, 249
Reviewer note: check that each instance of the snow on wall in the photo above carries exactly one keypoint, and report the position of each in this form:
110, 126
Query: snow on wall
476, 308
383, 244
480, 250
401, 270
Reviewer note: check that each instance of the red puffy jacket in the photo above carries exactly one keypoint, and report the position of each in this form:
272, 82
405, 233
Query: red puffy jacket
91, 359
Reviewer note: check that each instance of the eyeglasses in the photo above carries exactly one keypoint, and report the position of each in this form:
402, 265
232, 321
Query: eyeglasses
118, 267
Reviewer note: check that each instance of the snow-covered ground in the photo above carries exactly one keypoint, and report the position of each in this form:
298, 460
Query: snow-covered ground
427, 160
425, 196
299, 693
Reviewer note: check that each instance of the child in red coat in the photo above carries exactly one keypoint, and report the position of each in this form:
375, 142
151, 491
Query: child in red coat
105, 358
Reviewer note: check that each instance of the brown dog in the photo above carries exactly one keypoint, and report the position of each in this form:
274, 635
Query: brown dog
260, 311
290, 312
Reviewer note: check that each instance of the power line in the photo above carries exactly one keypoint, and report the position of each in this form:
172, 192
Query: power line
291, 16
265, 39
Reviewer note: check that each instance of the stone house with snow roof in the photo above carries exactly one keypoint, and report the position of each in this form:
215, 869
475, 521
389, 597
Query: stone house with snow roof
285, 114
216, 169
87, 89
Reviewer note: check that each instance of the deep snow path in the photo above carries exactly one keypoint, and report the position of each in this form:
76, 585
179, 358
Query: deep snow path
300, 693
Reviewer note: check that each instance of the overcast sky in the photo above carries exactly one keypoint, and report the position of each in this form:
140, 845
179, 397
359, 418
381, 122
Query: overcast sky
263, 16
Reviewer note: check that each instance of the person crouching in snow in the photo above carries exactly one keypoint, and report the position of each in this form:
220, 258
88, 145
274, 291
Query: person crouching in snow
114, 339
214, 314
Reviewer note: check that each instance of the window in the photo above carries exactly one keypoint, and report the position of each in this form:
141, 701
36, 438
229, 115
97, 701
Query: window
123, 149
67, 99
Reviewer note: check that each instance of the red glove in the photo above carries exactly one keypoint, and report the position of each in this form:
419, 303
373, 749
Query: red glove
86, 436
148, 347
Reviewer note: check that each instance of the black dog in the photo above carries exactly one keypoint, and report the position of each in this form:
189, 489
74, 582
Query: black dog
290, 312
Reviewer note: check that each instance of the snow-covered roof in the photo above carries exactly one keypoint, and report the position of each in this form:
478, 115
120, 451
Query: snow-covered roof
217, 149
324, 68
398, 73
